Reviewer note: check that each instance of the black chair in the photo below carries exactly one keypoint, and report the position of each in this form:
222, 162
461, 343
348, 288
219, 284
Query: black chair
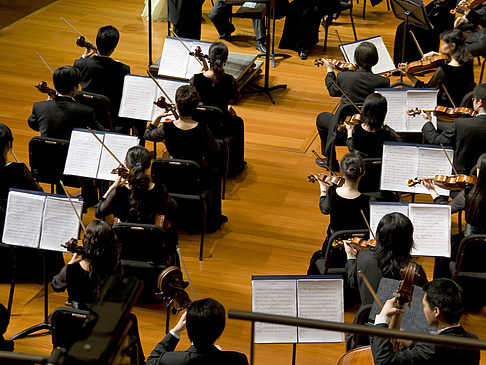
469, 270
66, 326
328, 20
101, 105
183, 180
354, 340
146, 250
47, 157
364, 6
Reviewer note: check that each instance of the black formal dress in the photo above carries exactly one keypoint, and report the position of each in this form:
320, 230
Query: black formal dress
370, 144
185, 16
467, 136
220, 95
57, 118
164, 354
425, 353
357, 85
476, 40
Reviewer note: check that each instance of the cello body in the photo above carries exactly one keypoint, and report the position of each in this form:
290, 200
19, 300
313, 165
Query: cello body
357, 356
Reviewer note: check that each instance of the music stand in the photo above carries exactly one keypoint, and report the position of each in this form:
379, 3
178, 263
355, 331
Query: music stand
411, 12
273, 55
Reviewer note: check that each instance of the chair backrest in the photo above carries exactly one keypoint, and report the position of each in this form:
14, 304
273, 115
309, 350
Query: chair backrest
101, 105
66, 326
178, 176
143, 242
476, 146
469, 256
47, 157
328, 258
370, 182
212, 116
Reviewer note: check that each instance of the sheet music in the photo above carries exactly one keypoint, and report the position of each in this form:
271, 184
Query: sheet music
23, 219
138, 98
84, 154
59, 223
399, 164
385, 62
193, 66
396, 115
274, 297
422, 99
118, 144
379, 210
174, 59
433, 161
320, 299
432, 229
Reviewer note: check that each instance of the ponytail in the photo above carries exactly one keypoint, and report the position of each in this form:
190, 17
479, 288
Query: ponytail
218, 55
138, 158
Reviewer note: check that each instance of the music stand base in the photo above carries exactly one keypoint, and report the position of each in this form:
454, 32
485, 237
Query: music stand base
38, 327
264, 90
401, 83
273, 56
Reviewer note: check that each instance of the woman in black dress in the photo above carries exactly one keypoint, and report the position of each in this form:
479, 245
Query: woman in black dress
219, 89
140, 200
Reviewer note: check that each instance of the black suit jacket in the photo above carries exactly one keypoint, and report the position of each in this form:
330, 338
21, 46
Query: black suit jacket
357, 85
425, 353
164, 354
103, 75
467, 136
57, 118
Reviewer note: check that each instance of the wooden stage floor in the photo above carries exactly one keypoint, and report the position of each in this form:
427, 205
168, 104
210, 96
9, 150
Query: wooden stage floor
274, 221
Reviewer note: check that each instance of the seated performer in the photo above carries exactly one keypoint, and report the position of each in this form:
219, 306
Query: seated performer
443, 308
217, 88
140, 201
467, 135
221, 14
185, 16
205, 321
456, 75
57, 117
357, 85
475, 40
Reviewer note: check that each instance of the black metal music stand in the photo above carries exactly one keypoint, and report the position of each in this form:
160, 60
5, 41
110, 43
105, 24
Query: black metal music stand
411, 12
273, 55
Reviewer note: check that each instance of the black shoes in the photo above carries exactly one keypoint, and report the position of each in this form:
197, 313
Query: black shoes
227, 36
303, 54
260, 46
324, 163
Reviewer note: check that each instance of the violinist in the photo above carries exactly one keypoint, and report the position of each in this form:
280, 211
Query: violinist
467, 135
443, 307
473, 17
205, 321
357, 85
217, 88
456, 75
139, 200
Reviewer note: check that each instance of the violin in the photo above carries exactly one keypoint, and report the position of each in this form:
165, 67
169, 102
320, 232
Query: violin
457, 182
161, 103
415, 67
339, 65
43, 88
198, 54
73, 247
122, 171
83, 43
349, 120
172, 291
330, 179
470, 4
445, 113
358, 243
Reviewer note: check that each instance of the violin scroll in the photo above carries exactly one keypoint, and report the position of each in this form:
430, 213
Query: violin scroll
163, 104
121, 171
43, 88
73, 247
83, 43
171, 286
339, 65
336, 180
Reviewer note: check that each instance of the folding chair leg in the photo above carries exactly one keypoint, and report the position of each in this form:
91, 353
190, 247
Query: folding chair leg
203, 229
326, 31
482, 71
225, 178
388, 4
459, 220
352, 23
364, 9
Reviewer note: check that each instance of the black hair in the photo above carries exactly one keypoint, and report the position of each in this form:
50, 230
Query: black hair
352, 166
218, 55
374, 110
4, 319
366, 55
479, 93
476, 199
446, 295
205, 322
65, 79
6, 138
187, 100
139, 159
107, 39
455, 36
394, 236
102, 250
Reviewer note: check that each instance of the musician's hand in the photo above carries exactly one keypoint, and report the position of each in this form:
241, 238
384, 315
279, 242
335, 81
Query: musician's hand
405, 343
218, 347
429, 185
430, 54
88, 53
351, 252
181, 325
50, 97
427, 116
402, 64
349, 128
460, 21
75, 258
389, 308
231, 111
330, 67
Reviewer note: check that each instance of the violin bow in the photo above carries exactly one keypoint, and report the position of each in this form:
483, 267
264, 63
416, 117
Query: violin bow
186, 272
448, 159
367, 223
77, 31
345, 95
14, 155
160, 87
106, 147
342, 46
45, 63
370, 288
72, 205
185, 46
322, 161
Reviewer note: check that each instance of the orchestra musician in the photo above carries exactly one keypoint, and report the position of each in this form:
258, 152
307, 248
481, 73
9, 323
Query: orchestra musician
185, 16
457, 75
189, 140
205, 321
357, 85
467, 135
443, 308
140, 200
475, 40
217, 88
